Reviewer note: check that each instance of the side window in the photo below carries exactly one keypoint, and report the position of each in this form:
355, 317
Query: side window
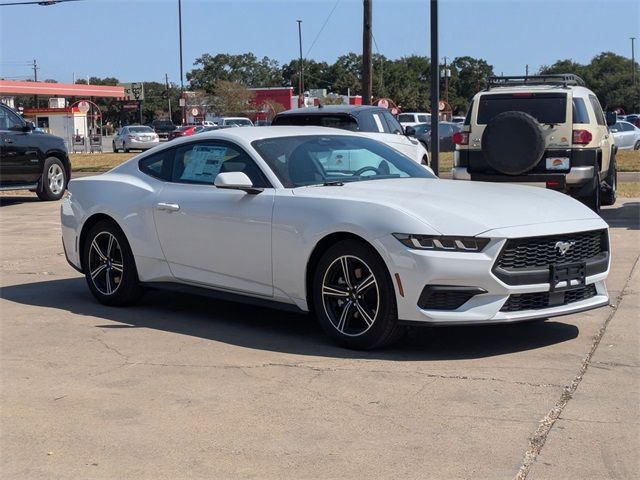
580, 114
626, 127
597, 109
394, 126
8, 119
467, 117
200, 163
159, 165
380, 123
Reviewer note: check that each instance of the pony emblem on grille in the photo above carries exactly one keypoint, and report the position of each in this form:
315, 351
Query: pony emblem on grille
563, 247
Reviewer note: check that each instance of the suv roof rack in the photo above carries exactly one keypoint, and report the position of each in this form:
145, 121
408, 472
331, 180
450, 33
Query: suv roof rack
564, 79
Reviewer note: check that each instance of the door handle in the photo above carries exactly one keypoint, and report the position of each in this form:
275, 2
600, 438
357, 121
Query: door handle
8, 140
168, 207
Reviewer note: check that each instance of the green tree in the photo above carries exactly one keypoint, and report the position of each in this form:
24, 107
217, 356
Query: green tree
231, 98
244, 69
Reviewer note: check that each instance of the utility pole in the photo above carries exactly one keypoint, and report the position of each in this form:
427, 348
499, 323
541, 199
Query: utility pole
35, 79
166, 81
366, 53
526, 70
633, 72
300, 68
183, 101
435, 90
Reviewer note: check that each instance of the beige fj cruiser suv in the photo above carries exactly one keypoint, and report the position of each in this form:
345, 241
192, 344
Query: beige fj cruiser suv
546, 130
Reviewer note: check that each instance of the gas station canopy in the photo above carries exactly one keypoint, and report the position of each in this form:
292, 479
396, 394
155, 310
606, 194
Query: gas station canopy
11, 87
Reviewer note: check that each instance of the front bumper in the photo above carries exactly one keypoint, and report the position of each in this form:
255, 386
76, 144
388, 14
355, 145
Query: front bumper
419, 268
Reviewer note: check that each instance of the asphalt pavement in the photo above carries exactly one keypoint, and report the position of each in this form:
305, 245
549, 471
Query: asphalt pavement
184, 387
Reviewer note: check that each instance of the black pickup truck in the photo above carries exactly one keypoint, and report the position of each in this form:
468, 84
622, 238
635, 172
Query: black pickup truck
163, 128
31, 160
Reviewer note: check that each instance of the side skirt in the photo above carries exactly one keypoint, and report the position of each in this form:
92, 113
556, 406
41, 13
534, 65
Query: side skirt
222, 295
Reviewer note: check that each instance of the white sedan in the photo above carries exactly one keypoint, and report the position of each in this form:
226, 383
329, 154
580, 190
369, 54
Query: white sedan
335, 223
626, 135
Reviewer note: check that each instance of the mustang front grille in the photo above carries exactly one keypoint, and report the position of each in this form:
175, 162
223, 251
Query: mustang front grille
522, 253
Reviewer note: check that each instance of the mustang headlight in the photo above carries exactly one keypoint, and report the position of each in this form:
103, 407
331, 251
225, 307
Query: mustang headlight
442, 244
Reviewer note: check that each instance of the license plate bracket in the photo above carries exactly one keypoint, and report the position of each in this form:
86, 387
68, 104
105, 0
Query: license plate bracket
567, 276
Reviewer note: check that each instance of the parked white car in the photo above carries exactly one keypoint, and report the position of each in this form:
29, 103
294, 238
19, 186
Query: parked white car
375, 122
135, 137
626, 135
409, 119
336, 223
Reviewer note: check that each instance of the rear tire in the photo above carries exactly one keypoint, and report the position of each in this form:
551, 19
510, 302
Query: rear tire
109, 265
54, 180
637, 145
113, 146
356, 309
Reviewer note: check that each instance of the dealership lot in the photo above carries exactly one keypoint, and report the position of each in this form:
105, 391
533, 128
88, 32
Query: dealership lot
180, 386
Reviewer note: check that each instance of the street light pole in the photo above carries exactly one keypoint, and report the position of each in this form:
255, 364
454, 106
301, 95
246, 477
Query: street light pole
366, 53
300, 69
435, 90
183, 102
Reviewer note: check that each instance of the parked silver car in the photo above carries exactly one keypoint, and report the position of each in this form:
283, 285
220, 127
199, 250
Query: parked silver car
135, 137
626, 135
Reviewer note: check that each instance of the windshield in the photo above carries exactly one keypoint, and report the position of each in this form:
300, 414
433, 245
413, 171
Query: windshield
547, 108
319, 159
140, 129
238, 121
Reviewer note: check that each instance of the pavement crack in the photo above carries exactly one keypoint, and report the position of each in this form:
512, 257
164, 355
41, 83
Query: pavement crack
539, 437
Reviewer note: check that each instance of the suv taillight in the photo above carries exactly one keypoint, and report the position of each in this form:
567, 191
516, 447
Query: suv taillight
582, 137
461, 138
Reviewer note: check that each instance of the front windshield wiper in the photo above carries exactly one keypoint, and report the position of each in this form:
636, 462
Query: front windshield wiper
334, 183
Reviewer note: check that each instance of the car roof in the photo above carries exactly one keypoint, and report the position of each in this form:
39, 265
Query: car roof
347, 109
577, 91
249, 134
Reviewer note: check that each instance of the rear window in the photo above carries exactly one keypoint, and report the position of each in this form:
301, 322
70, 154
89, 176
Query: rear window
140, 129
344, 122
405, 117
544, 107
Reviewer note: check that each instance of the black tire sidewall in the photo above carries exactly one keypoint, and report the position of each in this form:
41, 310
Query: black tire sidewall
128, 290
384, 328
609, 197
510, 137
45, 192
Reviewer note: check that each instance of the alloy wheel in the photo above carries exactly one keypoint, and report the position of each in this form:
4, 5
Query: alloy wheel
55, 177
106, 265
350, 295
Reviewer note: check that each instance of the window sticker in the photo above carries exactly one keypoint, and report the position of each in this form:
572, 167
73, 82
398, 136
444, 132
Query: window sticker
203, 164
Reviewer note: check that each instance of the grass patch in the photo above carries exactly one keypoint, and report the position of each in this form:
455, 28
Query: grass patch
97, 162
628, 190
628, 160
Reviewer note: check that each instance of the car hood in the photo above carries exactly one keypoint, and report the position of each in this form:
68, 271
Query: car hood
462, 208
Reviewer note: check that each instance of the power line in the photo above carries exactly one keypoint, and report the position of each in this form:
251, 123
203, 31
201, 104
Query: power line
322, 28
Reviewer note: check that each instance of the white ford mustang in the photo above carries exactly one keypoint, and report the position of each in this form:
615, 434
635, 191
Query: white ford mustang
335, 223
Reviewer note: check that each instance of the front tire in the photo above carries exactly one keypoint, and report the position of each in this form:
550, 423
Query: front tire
54, 180
109, 266
354, 298
114, 148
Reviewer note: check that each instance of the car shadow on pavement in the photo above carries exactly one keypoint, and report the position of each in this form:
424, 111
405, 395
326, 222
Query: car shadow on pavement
7, 200
626, 215
273, 330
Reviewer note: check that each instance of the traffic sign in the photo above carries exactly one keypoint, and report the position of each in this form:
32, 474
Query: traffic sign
84, 106
383, 102
441, 105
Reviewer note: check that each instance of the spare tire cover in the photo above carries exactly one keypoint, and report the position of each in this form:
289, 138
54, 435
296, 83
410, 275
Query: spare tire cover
513, 143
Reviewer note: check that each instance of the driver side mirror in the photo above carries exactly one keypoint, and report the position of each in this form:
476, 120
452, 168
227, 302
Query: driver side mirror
29, 127
236, 181
612, 118
409, 131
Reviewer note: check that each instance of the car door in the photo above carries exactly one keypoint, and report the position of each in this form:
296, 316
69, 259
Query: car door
628, 134
20, 160
211, 236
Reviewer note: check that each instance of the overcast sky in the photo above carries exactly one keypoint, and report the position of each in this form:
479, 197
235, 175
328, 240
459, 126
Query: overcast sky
137, 40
